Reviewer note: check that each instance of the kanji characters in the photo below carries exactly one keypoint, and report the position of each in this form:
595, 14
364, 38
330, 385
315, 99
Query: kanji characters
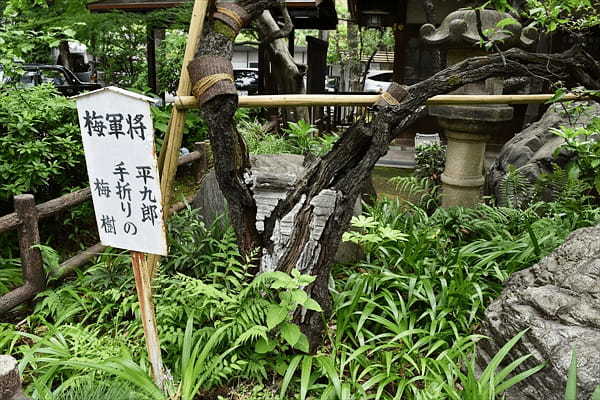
94, 124
115, 125
108, 224
144, 173
136, 126
121, 171
102, 188
149, 213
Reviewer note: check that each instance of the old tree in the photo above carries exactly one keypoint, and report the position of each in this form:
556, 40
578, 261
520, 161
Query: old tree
320, 204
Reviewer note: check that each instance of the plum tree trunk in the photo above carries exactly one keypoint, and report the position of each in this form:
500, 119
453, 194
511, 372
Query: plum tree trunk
304, 229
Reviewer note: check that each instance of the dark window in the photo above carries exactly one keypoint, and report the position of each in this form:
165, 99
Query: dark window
57, 78
28, 79
385, 77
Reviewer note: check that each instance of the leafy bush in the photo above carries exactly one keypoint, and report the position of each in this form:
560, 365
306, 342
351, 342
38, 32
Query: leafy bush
584, 143
169, 58
40, 147
300, 138
304, 139
11, 275
261, 142
430, 161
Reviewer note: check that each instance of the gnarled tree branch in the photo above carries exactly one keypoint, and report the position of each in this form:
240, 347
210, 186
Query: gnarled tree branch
321, 203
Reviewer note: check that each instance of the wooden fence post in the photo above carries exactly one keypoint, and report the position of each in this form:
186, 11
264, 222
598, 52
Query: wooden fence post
29, 236
31, 258
200, 167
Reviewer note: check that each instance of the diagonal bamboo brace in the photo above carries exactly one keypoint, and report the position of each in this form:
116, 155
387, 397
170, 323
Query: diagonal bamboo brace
167, 161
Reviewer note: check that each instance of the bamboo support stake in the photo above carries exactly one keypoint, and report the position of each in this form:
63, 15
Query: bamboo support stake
297, 100
143, 285
169, 155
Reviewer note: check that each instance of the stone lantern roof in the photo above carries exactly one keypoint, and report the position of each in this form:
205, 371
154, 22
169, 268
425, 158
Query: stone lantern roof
459, 30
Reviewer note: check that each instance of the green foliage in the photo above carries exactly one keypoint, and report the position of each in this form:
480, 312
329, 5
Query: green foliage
299, 138
169, 58
515, 189
89, 388
575, 185
304, 139
402, 327
216, 323
493, 381
39, 137
11, 275
583, 143
121, 54
571, 388
430, 161
260, 142
423, 189
341, 49
553, 15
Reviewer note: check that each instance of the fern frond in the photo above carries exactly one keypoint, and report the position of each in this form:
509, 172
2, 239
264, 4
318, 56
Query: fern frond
515, 189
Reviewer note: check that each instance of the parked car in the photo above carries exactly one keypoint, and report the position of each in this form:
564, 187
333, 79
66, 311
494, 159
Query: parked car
246, 80
65, 81
378, 81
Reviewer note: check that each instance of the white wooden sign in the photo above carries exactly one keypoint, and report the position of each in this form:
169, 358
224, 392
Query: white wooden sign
118, 140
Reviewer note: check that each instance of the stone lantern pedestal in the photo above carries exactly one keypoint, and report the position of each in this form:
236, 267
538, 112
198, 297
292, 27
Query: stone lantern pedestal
463, 176
468, 128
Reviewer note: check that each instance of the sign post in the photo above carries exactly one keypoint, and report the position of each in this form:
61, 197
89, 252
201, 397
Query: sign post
118, 140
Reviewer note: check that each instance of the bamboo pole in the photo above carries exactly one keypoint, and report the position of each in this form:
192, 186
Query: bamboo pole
169, 155
298, 100
143, 285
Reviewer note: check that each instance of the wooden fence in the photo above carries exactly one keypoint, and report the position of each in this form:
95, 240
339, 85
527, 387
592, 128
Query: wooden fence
26, 220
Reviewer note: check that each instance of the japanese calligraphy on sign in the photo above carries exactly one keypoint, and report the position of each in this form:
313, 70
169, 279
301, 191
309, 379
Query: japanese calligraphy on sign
118, 140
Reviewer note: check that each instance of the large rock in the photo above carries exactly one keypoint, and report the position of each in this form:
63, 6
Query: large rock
532, 150
273, 176
558, 300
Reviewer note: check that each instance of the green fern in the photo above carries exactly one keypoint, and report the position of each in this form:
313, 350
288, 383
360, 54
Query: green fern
423, 192
515, 189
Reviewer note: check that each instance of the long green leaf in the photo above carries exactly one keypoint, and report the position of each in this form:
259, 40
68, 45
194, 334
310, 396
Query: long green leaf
289, 374
502, 353
327, 364
305, 376
571, 390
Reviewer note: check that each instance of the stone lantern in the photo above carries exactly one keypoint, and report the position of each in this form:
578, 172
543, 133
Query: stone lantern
468, 128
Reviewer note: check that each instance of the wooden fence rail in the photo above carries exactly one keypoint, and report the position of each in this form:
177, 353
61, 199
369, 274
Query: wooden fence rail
26, 220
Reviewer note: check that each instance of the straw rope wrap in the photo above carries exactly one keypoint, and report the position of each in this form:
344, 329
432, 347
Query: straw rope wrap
202, 86
211, 76
393, 96
232, 15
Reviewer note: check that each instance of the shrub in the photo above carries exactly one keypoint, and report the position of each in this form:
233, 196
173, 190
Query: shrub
430, 161
40, 147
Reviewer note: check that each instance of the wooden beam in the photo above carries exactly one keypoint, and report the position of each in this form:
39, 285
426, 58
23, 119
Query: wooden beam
297, 100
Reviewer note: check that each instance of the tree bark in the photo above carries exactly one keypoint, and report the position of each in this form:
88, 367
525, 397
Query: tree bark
304, 230
64, 55
354, 64
289, 76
